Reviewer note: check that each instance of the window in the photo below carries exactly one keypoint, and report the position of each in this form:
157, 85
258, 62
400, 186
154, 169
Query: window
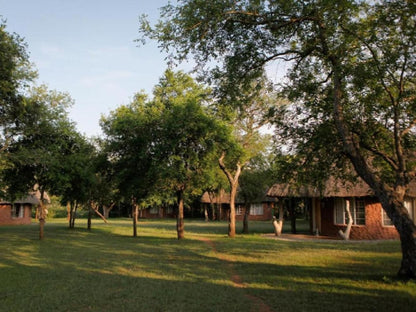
239, 210
408, 204
386, 220
17, 211
339, 211
256, 209
154, 210
359, 212
357, 209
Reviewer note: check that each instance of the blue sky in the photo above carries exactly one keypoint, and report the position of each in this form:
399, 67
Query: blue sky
87, 48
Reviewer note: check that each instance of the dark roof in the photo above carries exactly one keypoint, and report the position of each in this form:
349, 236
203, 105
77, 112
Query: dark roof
224, 198
32, 198
332, 188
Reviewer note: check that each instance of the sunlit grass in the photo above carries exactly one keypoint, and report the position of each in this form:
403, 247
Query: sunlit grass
109, 270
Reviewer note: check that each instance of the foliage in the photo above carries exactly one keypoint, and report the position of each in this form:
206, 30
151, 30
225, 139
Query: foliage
255, 180
164, 148
41, 154
15, 74
351, 80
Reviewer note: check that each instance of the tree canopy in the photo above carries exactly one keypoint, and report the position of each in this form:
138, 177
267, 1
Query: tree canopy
351, 74
165, 146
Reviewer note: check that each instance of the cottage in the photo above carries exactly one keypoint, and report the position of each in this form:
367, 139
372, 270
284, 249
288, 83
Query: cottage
261, 210
328, 208
156, 212
18, 212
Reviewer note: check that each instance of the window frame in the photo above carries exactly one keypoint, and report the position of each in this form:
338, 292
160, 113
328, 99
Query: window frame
17, 211
255, 209
357, 207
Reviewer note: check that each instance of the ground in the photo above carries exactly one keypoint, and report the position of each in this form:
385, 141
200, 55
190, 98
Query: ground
109, 270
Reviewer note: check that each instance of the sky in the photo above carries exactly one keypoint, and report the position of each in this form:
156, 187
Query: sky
86, 48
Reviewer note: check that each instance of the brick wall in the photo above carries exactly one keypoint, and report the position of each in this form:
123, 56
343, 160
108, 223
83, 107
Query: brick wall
373, 228
6, 215
267, 214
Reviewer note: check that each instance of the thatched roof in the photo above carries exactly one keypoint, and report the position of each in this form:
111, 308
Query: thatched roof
32, 198
223, 198
332, 188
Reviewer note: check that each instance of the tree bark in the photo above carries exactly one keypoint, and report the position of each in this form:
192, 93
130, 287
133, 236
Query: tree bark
42, 214
71, 211
106, 210
89, 218
278, 224
246, 216
345, 235
233, 181
134, 213
206, 213
180, 225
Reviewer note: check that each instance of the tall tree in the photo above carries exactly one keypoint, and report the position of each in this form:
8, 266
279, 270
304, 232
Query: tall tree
189, 137
352, 73
164, 145
15, 75
39, 156
79, 172
130, 133
246, 112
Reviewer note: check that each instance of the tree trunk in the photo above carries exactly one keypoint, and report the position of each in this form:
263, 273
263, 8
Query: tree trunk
89, 218
231, 217
180, 226
345, 235
206, 213
134, 213
233, 180
391, 198
71, 211
246, 216
394, 207
106, 210
74, 215
278, 224
42, 215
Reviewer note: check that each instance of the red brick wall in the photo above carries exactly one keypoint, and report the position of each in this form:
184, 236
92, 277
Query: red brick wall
145, 213
6, 215
373, 228
267, 214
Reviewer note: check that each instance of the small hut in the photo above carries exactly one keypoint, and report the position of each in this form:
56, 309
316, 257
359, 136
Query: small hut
19, 211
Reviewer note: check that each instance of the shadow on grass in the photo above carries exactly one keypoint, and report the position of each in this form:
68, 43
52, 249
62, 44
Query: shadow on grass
103, 270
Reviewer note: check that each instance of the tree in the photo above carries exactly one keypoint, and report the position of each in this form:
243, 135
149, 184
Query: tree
352, 73
15, 74
39, 156
165, 145
189, 138
246, 113
128, 151
79, 172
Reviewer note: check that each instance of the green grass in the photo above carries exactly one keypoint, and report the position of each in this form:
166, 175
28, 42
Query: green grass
108, 270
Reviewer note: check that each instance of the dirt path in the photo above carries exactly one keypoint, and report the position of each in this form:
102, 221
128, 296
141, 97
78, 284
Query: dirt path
257, 304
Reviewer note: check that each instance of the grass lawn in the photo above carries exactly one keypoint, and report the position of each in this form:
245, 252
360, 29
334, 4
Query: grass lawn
108, 270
